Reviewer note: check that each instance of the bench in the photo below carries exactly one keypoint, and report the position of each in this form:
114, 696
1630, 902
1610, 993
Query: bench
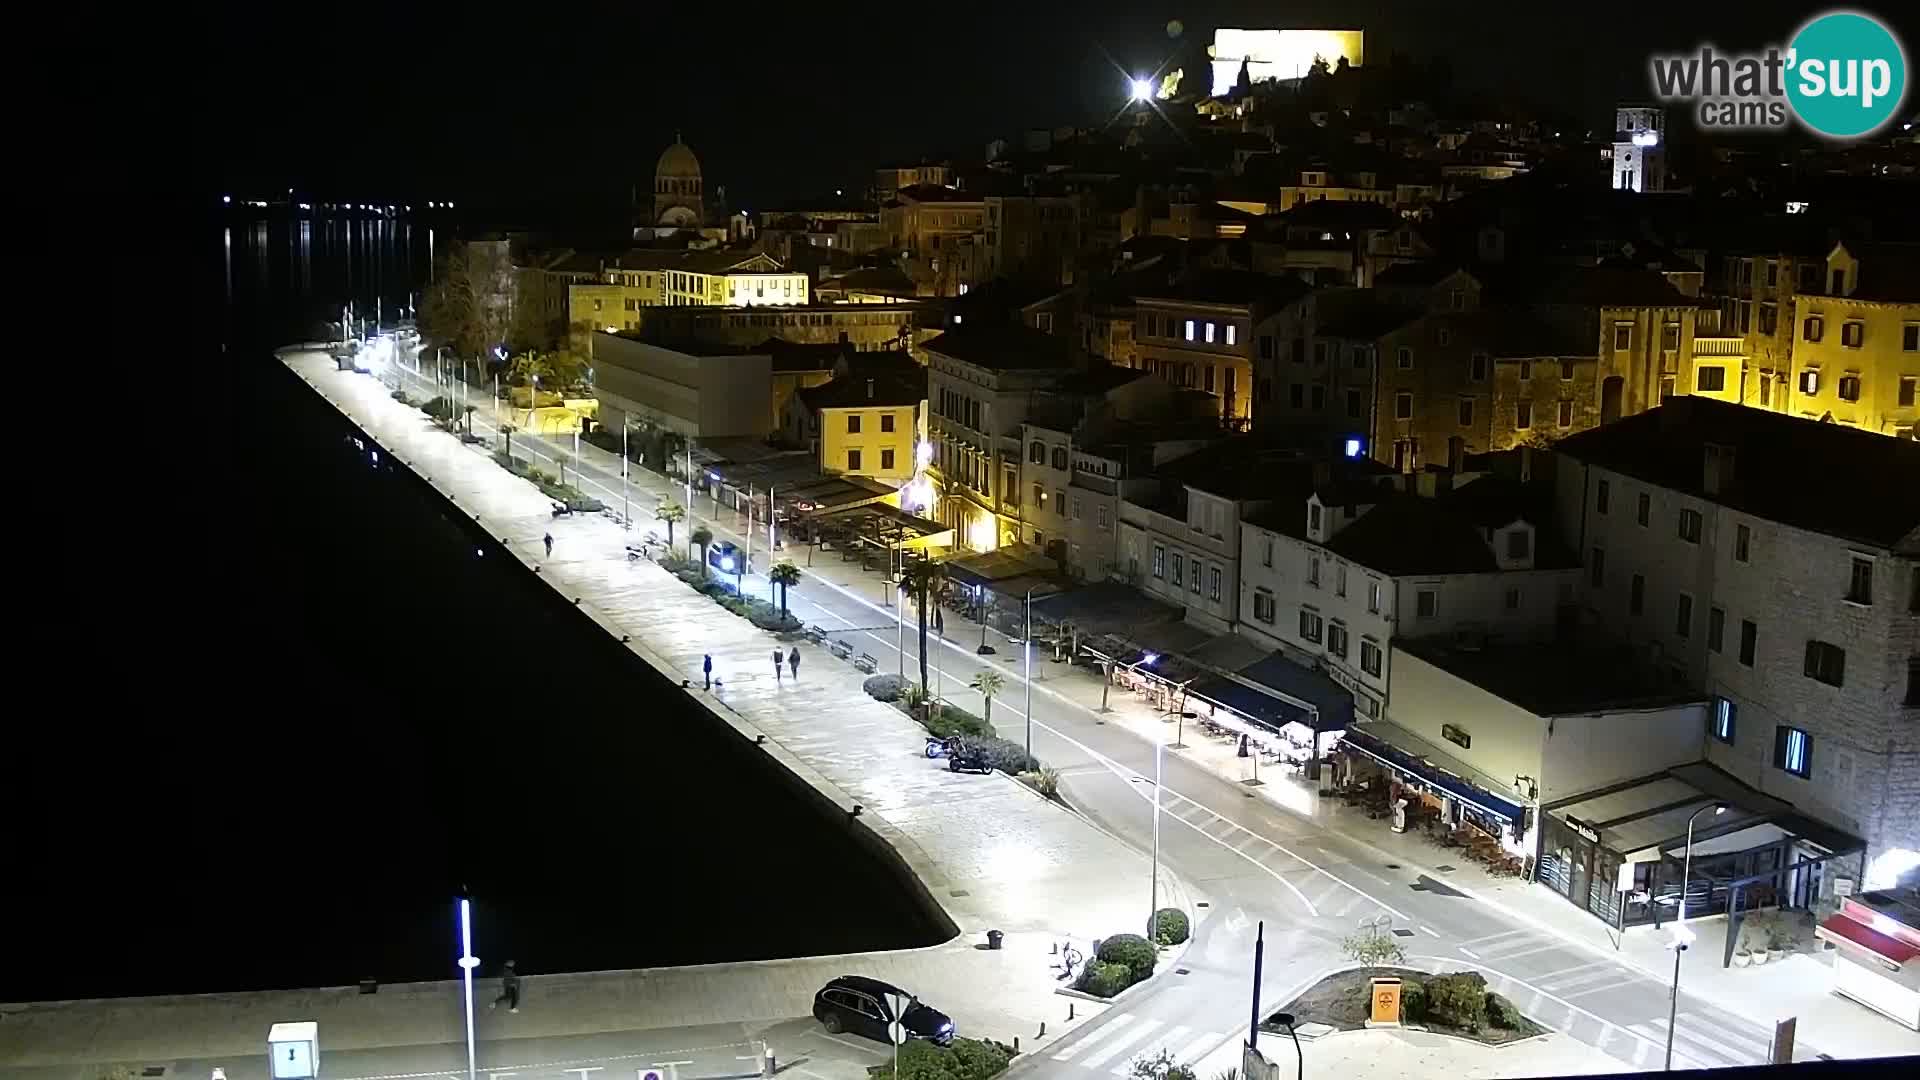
841, 649
866, 663
816, 633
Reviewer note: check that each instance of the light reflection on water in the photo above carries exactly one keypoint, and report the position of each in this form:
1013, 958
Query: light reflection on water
289, 275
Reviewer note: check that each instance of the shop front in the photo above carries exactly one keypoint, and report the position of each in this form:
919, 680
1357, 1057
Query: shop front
1397, 775
1621, 853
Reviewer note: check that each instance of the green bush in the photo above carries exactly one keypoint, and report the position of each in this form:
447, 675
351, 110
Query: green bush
1136, 952
1103, 979
1458, 1000
1004, 755
1044, 781
401, 397
1172, 926
965, 1059
949, 720
1373, 949
1159, 1066
768, 617
1413, 1001
1502, 1013
438, 407
884, 687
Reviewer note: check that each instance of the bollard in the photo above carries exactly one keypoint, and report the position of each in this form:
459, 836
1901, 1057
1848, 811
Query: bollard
1069, 1011
766, 1065
1016, 1044
1043, 1030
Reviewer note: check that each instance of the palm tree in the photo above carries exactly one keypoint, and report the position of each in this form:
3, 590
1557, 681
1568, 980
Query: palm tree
786, 575
921, 577
670, 512
989, 684
701, 537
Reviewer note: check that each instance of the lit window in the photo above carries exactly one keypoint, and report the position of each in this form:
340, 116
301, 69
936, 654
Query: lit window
1209, 334
1690, 526
1189, 329
1852, 333
1793, 751
1720, 721
1232, 335
1810, 381
1370, 658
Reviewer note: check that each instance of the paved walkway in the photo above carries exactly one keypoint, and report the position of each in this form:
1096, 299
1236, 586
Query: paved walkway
988, 851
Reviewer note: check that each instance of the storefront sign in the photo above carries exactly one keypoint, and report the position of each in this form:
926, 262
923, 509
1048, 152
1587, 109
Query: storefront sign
1457, 736
1584, 830
1625, 881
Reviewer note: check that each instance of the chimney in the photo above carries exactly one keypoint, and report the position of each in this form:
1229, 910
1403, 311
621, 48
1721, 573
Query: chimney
869, 389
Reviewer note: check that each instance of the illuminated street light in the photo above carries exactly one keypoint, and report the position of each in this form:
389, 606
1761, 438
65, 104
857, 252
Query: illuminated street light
1682, 937
1142, 89
468, 962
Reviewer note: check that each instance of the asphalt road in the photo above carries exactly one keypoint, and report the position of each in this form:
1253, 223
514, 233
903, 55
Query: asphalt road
1310, 882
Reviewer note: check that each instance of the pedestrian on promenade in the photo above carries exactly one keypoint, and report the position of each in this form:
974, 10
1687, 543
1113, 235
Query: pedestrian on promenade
549, 540
939, 622
793, 660
777, 658
706, 668
509, 989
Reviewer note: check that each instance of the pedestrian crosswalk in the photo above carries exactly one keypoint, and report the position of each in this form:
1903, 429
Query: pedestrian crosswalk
1114, 1045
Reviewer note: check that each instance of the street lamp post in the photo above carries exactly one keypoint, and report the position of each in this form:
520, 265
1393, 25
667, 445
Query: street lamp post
1153, 891
1026, 648
468, 962
1681, 935
624, 522
1286, 1020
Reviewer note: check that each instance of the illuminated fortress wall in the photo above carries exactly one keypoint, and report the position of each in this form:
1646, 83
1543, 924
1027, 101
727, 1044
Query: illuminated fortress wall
1279, 54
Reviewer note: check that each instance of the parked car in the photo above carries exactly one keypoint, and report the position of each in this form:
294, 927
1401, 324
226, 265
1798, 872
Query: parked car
858, 1005
724, 556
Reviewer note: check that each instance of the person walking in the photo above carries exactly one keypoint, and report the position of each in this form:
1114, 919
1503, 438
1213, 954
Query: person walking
549, 542
706, 668
777, 658
509, 989
793, 661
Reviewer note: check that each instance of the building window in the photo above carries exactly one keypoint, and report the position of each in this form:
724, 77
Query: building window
1598, 567
1193, 578
853, 423
1670, 337
1179, 570
1297, 395
1370, 658
1477, 367
1213, 583
853, 461
1512, 599
1690, 526
1813, 327
1622, 337
1683, 617
1716, 629
1313, 570
1404, 358
1445, 336
1860, 581
1160, 561
1310, 626
1232, 335
1852, 333
1266, 346
1100, 517
1373, 597
1209, 331
1076, 507
1337, 640
1848, 388
1910, 338
1466, 412
1402, 405
1720, 720
1710, 379
1742, 543
1523, 416
1036, 452
1313, 517
886, 422
1602, 497
1266, 552
1189, 329
1263, 606
1340, 580
1908, 384
1426, 603
1566, 371
1526, 370
1637, 595
1060, 458
886, 461
1793, 751
1566, 413
1810, 381
1749, 641
1643, 509
1769, 318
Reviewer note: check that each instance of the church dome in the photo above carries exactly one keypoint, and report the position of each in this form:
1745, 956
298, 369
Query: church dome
678, 161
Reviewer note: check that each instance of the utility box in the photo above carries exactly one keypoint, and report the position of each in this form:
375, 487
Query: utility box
294, 1050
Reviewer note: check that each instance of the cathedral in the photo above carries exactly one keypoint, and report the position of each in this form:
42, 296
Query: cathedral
679, 202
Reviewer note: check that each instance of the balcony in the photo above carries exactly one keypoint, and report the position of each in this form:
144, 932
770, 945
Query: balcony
1719, 346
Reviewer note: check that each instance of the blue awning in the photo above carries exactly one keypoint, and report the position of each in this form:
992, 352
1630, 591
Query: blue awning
1425, 772
1262, 709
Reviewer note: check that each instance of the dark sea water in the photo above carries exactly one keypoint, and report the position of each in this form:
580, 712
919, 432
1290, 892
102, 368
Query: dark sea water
333, 714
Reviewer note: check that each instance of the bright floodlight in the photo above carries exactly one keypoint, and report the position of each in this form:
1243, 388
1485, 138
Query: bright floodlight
1142, 89
726, 563
1149, 658
1353, 448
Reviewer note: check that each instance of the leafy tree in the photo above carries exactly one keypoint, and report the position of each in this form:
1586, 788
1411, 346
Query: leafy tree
786, 575
466, 306
922, 577
701, 537
1373, 950
988, 683
669, 512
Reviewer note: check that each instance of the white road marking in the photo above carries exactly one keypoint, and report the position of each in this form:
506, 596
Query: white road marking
1469, 952
1095, 1036
1125, 1068
1431, 930
1494, 937
1199, 1048
844, 1042
1658, 1037
1690, 1031
1144, 1029
1505, 956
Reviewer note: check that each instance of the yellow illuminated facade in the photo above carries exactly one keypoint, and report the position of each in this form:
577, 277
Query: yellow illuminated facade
877, 443
645, 280
1280, 54
1856, 361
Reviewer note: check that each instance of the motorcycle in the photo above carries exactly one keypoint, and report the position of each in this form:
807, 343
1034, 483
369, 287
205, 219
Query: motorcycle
938, 747
561, 510
969, 759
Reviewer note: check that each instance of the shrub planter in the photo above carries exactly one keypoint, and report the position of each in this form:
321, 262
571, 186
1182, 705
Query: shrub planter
1456, 1004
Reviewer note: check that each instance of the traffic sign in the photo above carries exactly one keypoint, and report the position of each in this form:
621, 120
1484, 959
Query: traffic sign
897, 1032
650, 1074
897, 1006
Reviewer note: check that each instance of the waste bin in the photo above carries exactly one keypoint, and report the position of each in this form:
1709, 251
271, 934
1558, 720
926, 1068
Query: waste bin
993, 939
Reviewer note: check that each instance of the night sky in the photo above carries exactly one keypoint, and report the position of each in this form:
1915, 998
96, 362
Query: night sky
569, 103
